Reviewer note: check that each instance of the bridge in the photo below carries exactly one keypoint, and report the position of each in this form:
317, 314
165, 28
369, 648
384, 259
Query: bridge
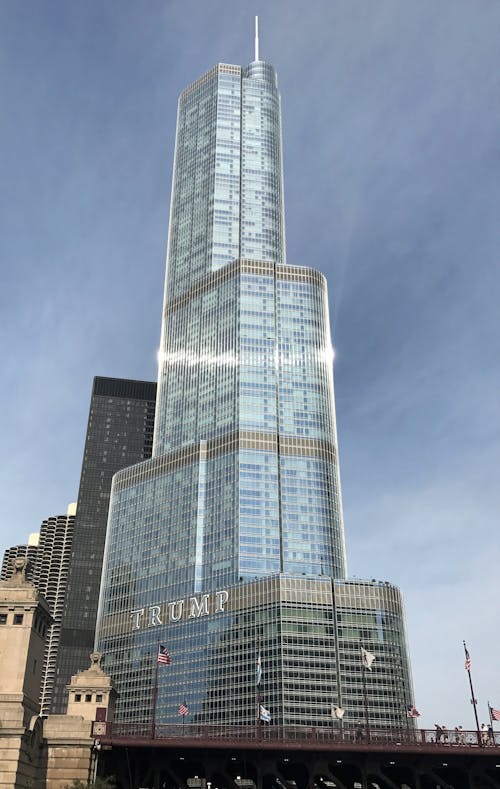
192, 756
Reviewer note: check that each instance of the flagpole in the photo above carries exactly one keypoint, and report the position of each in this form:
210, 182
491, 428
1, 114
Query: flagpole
473, 700
155, 694
258, 680
259, 721
365, 694
337, 713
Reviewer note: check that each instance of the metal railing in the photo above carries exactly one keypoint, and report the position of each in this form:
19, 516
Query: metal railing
297, 734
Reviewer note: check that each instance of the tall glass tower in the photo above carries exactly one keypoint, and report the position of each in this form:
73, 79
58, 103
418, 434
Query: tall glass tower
229, 542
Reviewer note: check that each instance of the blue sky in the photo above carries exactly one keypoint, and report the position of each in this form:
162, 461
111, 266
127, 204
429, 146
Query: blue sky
391, 119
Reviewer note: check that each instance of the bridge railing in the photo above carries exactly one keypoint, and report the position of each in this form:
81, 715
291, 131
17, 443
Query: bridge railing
296, 734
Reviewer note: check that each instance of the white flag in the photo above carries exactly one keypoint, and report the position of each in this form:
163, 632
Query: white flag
264, 714
367, 658
338, 712
258, 673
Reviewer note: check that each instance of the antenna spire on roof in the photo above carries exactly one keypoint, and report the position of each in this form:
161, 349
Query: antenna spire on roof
256, 38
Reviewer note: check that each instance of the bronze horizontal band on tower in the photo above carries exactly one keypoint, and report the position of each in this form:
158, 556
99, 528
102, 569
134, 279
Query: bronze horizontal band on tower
263, 268
221, 445
220, 68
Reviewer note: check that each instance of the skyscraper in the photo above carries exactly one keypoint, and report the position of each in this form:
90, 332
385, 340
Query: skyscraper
27, 552
50, 576
119, 432
229, 542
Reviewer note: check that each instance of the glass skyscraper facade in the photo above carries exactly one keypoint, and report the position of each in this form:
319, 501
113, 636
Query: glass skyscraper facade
229, 541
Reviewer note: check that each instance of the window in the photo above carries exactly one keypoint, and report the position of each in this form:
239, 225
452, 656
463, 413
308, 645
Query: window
88, 697
98, 697
3, 619
18, 619
78, 696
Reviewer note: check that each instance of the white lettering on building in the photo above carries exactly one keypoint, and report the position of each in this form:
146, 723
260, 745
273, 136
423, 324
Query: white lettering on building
222, 598
197, 609
136, 618
194, 607
154, 616
173, 614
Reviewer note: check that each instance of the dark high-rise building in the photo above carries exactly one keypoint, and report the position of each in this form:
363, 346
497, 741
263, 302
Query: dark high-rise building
119, 434
228, 545
50, 576
28, 552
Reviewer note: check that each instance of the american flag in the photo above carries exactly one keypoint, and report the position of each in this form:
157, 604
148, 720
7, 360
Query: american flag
467, 659
163, 655
183, 710
412, 712
495, 714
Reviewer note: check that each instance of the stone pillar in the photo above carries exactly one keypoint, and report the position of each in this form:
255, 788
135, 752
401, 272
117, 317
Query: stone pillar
24, 624
71, 741
91, 693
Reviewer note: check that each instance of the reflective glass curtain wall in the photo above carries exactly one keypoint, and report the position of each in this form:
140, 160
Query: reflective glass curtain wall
243, 485
245, 341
